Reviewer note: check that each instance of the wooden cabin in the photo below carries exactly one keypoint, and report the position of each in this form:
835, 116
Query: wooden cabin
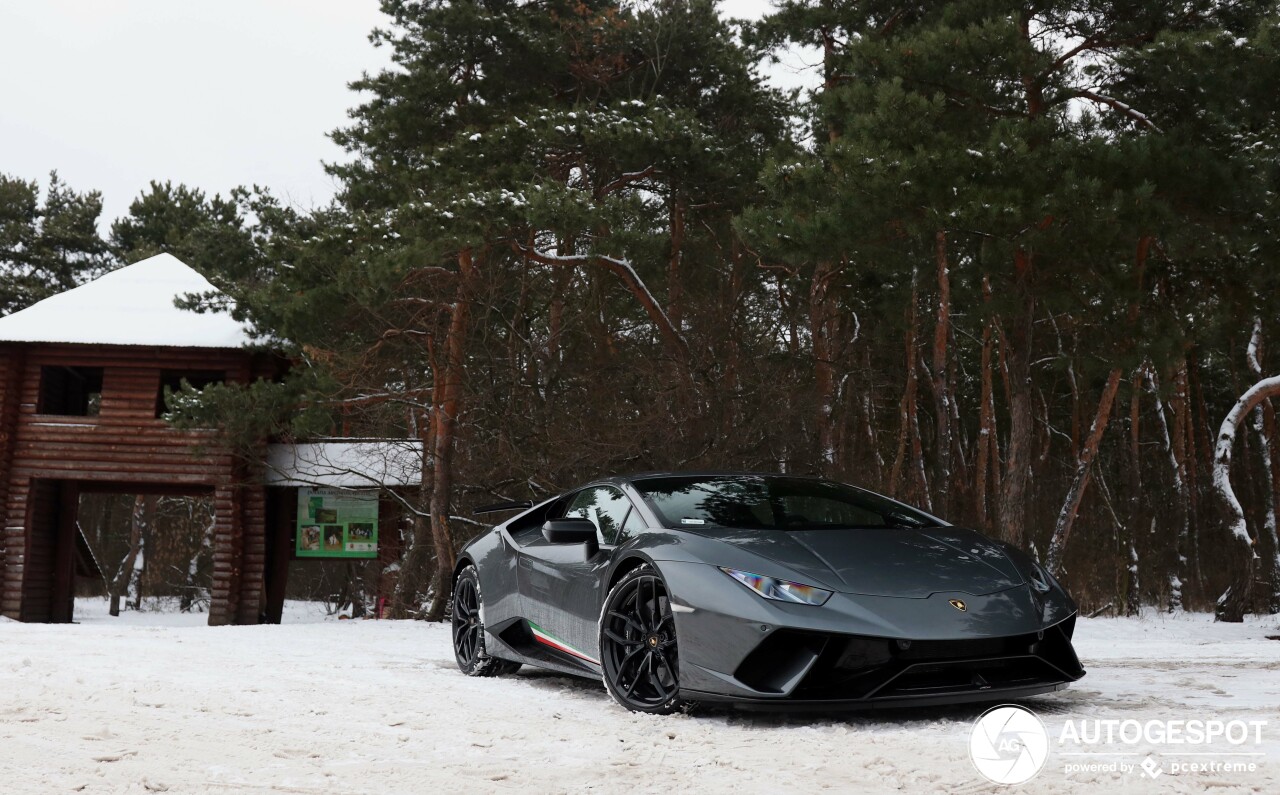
82, 376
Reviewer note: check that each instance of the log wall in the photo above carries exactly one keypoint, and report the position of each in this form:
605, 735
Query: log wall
124, 447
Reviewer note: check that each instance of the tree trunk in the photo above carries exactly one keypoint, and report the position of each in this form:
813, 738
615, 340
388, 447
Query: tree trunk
1133, 591
144, 511
1177, 572
431, 535
1084, 469
448, 408
355, 590
1236, 600
675, 271
823, 328
416, 555
1264, 424
910, 452
987, 456
1017, 475
942, 397
192, 589
869, 426
1193, 452
124, 573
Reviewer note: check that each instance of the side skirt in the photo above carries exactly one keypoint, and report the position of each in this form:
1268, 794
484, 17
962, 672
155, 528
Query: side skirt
531, 645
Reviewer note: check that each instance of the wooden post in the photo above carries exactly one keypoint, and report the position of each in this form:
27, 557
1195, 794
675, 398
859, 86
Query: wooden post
254, 554
227, 556
12, 532
281, 518
63, 598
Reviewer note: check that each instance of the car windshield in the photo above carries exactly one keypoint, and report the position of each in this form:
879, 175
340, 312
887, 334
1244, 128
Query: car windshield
772, 503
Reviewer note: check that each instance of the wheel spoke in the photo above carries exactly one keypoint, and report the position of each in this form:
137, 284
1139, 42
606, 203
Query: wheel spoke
639, 606
656, 681
662, 658
629, 621
652, 606
640, 670
616, 638
628, 657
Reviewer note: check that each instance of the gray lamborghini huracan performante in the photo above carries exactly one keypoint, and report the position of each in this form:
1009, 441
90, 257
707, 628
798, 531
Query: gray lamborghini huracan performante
759, 590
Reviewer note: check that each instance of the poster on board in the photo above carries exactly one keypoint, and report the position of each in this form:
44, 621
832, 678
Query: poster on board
337, 523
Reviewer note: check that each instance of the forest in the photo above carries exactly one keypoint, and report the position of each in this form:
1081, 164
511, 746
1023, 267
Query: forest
1014, 263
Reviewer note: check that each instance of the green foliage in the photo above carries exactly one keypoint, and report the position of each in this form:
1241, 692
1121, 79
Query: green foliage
246, 414
46, 245
1064, 131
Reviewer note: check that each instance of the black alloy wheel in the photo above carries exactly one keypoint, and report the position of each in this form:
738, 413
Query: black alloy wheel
638, 652
468, 629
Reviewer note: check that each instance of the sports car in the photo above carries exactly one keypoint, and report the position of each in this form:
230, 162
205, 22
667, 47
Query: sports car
761, 590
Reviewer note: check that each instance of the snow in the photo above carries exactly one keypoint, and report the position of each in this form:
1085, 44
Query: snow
159, 702
133, 305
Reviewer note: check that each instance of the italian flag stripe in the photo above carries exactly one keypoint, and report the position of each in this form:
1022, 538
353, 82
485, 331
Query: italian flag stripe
546, 638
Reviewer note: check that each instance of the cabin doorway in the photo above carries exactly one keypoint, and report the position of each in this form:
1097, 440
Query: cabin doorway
155, 550
138, 546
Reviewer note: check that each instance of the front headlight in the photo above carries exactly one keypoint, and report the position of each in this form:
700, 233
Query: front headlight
779, 590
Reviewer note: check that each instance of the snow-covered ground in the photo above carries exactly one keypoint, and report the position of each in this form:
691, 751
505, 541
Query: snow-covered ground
159, 702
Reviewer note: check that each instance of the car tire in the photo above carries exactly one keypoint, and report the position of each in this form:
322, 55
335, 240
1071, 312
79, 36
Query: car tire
639, 662
466, 614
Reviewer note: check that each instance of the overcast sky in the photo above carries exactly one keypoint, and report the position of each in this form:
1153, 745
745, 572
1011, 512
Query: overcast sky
116, 93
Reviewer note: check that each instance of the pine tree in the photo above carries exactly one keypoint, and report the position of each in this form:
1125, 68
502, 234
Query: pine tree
1071, 156
527, 172
46, 245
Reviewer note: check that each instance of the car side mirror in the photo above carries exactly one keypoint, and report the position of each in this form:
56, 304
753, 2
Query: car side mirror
573, 531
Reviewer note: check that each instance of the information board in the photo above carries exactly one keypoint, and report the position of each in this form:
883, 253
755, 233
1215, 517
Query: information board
337, 523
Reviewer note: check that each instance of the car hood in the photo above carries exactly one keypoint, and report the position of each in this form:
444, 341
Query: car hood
885, 561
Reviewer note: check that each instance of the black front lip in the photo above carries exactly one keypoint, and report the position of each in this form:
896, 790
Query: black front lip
803, 667
860, 704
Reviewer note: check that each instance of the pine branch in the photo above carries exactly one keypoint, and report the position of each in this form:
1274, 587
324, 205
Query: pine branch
1114, 104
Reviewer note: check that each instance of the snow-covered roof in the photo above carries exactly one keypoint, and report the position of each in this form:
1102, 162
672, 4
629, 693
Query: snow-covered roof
347, 463
130, 306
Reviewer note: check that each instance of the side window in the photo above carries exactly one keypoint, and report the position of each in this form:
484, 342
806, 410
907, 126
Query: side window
633, 526
605, 506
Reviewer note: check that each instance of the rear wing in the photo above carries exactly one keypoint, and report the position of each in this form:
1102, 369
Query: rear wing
510, 505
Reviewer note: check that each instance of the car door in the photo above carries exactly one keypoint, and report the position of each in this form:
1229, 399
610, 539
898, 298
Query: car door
561, 593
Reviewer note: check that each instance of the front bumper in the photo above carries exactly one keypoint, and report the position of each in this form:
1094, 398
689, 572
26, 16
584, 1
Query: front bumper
861, 651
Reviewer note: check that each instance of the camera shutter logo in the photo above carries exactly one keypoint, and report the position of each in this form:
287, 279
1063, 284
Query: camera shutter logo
1009, 744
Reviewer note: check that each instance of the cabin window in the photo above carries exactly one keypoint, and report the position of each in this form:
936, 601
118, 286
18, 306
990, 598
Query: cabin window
70, 391
171, 381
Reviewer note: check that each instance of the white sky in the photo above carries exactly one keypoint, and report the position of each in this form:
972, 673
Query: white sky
116, 93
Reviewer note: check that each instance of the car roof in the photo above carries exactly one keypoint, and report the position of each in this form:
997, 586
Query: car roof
699, 473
